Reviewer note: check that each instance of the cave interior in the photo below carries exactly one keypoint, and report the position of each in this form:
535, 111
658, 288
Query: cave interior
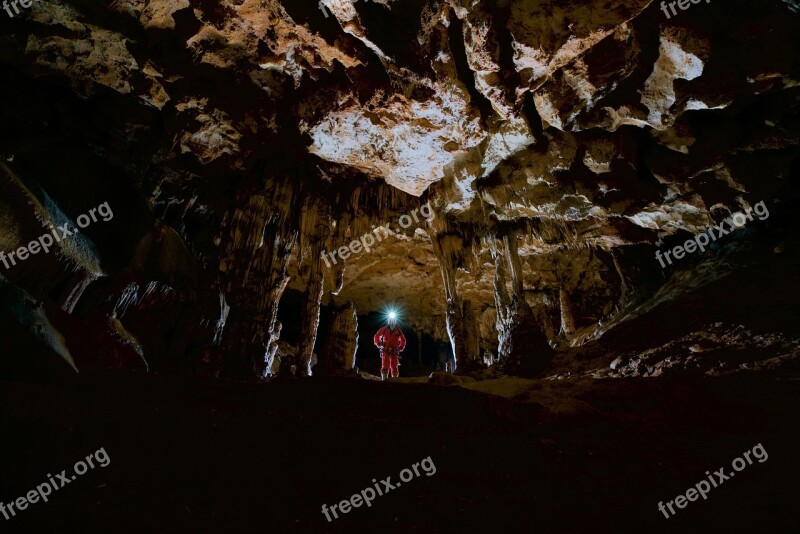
580, 211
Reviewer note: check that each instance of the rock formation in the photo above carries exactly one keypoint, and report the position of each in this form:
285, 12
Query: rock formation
560, 145
342, 344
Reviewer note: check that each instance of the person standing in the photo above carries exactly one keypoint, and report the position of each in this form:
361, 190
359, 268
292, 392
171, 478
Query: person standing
391, 342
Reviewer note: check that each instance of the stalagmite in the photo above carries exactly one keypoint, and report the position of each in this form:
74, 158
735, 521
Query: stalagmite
273, 361
259, 243
309, 321
472, 338
314, 231
447, 247
339, 353
523, 348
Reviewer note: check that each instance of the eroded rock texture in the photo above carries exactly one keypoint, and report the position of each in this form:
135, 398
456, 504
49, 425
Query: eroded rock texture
340, 349
559, 144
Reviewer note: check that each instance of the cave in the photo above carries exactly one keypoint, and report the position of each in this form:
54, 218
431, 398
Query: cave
399, 265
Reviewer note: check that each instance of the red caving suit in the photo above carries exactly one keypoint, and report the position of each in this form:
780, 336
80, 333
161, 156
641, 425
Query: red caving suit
393, 343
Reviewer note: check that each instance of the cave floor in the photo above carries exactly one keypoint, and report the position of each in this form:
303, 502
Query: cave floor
577, 455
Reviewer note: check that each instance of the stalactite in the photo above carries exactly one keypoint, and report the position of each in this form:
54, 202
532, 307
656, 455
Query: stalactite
514, 264
75, 262
502, 300
567, 314
79, 283
624, 287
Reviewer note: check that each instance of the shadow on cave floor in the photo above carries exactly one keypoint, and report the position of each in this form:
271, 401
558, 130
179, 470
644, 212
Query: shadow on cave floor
194, 455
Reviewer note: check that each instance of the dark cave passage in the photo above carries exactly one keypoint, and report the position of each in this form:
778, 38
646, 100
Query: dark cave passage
422, 356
